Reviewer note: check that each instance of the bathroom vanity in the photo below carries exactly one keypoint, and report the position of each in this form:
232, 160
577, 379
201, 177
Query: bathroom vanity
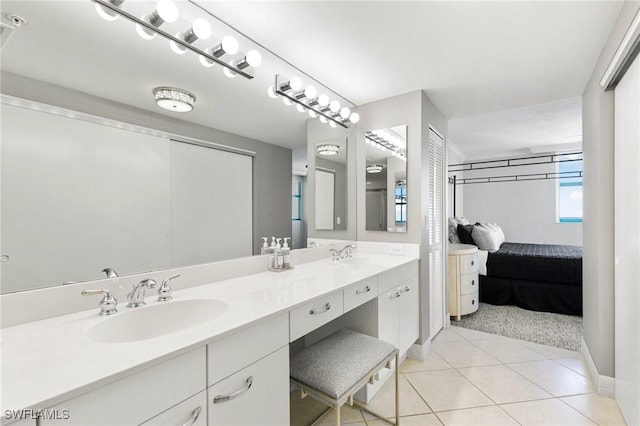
228, 365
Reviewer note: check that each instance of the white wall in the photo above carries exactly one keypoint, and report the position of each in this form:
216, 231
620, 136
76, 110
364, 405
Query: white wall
598, 182
526, 211
454, 156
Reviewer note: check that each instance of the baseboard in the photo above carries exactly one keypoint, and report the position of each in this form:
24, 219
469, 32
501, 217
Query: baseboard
419, 352
605, 385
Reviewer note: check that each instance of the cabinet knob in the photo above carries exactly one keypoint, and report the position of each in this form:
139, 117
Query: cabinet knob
473, 262
473, 282
473, 302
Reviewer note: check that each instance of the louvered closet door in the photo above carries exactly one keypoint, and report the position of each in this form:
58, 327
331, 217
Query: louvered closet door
436, 219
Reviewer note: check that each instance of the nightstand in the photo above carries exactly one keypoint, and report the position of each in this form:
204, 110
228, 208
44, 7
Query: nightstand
462, 279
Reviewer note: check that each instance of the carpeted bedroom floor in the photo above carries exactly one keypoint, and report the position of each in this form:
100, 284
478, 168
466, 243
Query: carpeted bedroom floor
562, 331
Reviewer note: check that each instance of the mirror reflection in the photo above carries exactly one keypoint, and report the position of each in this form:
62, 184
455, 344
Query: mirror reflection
331, 184
386, 179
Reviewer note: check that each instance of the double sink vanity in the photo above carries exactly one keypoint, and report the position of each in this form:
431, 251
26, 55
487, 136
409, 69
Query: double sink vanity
216, 354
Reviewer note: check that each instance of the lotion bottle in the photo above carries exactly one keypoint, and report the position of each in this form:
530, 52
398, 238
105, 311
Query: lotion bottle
265, 246
286, 254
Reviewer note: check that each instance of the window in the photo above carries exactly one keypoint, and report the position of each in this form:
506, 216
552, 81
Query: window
401, 204
570, 193
296, 201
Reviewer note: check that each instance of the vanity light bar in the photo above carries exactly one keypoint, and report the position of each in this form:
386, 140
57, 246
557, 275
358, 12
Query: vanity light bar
328, 111
240, 69
384, 144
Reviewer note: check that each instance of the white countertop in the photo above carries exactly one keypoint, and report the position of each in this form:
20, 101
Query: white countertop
50, 361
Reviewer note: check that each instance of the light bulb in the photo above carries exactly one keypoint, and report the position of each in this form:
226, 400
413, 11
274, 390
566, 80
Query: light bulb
354, 117
333, 124
206, 62
143, 32
286, 101
201, 29
229, 73
323, 119
271, 92
178, 48
167, 10
345, 112
106, 14
312, 113
300, 108
323, 100
334, 106
310, 92
295, 83
253, 58
230, 45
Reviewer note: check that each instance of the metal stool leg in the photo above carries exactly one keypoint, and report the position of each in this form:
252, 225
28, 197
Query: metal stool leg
397, 393
337, 415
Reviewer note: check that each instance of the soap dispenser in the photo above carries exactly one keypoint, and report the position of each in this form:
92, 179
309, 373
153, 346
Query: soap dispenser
278, 259
286, 254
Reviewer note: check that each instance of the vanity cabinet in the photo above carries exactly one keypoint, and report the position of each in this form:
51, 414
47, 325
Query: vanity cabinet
462, 280
140, 397
312, 315
248, 375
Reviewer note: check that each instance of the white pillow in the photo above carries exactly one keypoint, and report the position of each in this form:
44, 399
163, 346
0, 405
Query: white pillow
453, 228
486, 238
497, 228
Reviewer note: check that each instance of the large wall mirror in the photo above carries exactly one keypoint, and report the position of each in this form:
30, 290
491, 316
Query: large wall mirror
331, 184
386, 179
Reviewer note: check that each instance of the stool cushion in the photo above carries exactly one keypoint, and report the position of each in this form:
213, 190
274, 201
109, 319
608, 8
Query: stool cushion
337, 362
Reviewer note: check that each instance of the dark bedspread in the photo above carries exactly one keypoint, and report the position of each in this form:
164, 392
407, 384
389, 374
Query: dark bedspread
556, 264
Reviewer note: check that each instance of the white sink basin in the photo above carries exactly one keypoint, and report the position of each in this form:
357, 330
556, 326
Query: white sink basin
133, 324
358, 261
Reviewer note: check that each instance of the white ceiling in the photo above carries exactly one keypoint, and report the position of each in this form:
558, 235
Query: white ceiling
471, 58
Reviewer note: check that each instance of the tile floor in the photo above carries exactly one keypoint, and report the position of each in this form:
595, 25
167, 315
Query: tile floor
474, 378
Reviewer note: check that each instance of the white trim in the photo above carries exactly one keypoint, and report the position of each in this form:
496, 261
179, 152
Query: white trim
419, 352
622, 57
605, 385
96, 119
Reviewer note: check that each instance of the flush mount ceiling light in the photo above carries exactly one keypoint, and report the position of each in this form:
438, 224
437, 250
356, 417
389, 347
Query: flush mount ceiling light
328, 149
328, 111
383, 142
374, 168
173, 99
225, 53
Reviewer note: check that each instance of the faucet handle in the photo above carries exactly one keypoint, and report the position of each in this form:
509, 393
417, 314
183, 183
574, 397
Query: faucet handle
108, 304
164, 291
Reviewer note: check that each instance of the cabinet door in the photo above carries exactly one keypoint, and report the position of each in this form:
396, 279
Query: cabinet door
388, 316
257, 395
192, 412
409, 321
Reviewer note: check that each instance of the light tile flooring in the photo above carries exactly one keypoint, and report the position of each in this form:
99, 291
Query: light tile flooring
474, 378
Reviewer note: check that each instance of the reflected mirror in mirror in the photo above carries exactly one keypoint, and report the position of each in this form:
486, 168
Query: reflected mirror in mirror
331, 184
386, 179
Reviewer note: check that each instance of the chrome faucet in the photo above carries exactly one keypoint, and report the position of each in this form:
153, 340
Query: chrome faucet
111, 273
108, 304
347, 251
136, 297
164, 291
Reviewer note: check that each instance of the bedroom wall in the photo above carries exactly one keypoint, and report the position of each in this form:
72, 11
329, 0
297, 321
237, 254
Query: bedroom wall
598, 136
455, 156
526, 210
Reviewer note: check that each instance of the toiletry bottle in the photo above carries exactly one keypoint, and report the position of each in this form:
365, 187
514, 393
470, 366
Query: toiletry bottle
286, 254
279, 258
265, 246
272, 247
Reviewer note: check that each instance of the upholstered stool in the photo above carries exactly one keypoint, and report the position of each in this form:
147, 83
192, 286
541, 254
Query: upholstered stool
335, 368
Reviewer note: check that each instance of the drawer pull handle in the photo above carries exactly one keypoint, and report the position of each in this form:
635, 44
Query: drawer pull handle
473, 302
367, 289
4, 258
405, 289
473, 282
395, 295
194, 417
473, 262
225, 398
327, 306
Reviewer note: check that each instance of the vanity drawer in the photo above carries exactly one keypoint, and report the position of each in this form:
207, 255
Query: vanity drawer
469, 283
360, 293
236, 351
390, 278
468, 303
192, 412
137, 398
468, 263
312, 315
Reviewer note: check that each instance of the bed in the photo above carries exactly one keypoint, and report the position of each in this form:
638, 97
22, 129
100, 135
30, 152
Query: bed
539, 277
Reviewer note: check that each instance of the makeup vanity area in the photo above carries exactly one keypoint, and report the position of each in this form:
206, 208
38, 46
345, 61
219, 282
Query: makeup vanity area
224, 370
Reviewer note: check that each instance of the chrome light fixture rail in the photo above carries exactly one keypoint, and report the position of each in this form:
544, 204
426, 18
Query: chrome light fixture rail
241, 67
